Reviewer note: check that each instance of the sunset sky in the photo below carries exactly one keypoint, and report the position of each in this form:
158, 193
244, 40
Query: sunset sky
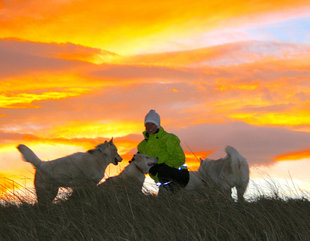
76, 73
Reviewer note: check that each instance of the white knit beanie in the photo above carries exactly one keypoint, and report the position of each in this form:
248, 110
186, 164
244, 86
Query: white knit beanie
152, 117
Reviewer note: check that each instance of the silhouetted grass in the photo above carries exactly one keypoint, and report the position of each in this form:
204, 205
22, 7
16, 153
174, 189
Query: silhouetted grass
120, 213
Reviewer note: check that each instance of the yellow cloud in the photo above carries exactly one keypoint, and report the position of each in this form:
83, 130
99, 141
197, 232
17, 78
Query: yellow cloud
45, 81
292, 119
23, 100
127, 27
224, 85
107, 129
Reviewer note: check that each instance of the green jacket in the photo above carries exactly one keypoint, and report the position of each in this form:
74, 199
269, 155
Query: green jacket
165, 146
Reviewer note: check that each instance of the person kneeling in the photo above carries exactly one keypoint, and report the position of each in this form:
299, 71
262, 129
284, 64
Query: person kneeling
170, 173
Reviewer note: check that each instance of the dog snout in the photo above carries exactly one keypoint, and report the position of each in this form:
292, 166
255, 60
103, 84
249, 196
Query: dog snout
118, 158
150, 164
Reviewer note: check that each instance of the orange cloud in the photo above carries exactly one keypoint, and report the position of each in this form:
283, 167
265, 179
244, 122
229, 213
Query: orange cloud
193, 159
294, 156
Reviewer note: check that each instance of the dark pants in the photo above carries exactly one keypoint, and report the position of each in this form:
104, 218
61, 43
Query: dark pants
172, 179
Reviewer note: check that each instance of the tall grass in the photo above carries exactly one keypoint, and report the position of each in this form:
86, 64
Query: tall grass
121, 213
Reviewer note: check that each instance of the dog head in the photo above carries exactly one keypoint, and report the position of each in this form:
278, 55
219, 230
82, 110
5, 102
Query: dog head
109, 151
144, 162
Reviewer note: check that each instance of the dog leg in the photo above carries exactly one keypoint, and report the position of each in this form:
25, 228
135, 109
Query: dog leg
240, 192
46, 195
45, 190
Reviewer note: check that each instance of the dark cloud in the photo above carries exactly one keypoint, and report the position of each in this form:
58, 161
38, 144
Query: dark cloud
258, 144
55, 50
10, 136
16, 63
20, 57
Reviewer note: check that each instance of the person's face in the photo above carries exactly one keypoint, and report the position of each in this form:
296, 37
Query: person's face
150, 128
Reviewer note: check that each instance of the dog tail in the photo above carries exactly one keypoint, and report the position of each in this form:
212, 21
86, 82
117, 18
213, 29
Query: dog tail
239, 164
29, 156
232, 152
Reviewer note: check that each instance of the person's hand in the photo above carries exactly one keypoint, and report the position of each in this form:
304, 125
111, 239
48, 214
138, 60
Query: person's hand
154, 169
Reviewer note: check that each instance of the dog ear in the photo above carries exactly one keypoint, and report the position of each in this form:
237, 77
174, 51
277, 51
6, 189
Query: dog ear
111, 141
201, 160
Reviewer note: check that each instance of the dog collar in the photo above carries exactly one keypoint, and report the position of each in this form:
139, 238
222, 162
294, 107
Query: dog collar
139, 169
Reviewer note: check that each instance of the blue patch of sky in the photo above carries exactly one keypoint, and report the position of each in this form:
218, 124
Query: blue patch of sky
296, 30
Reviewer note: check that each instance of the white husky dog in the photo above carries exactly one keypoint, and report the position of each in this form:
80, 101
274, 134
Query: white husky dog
82, 168
225, 173
134, 173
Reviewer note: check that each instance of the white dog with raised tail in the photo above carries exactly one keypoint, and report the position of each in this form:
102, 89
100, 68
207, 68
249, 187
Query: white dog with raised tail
76, 170
224, 173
